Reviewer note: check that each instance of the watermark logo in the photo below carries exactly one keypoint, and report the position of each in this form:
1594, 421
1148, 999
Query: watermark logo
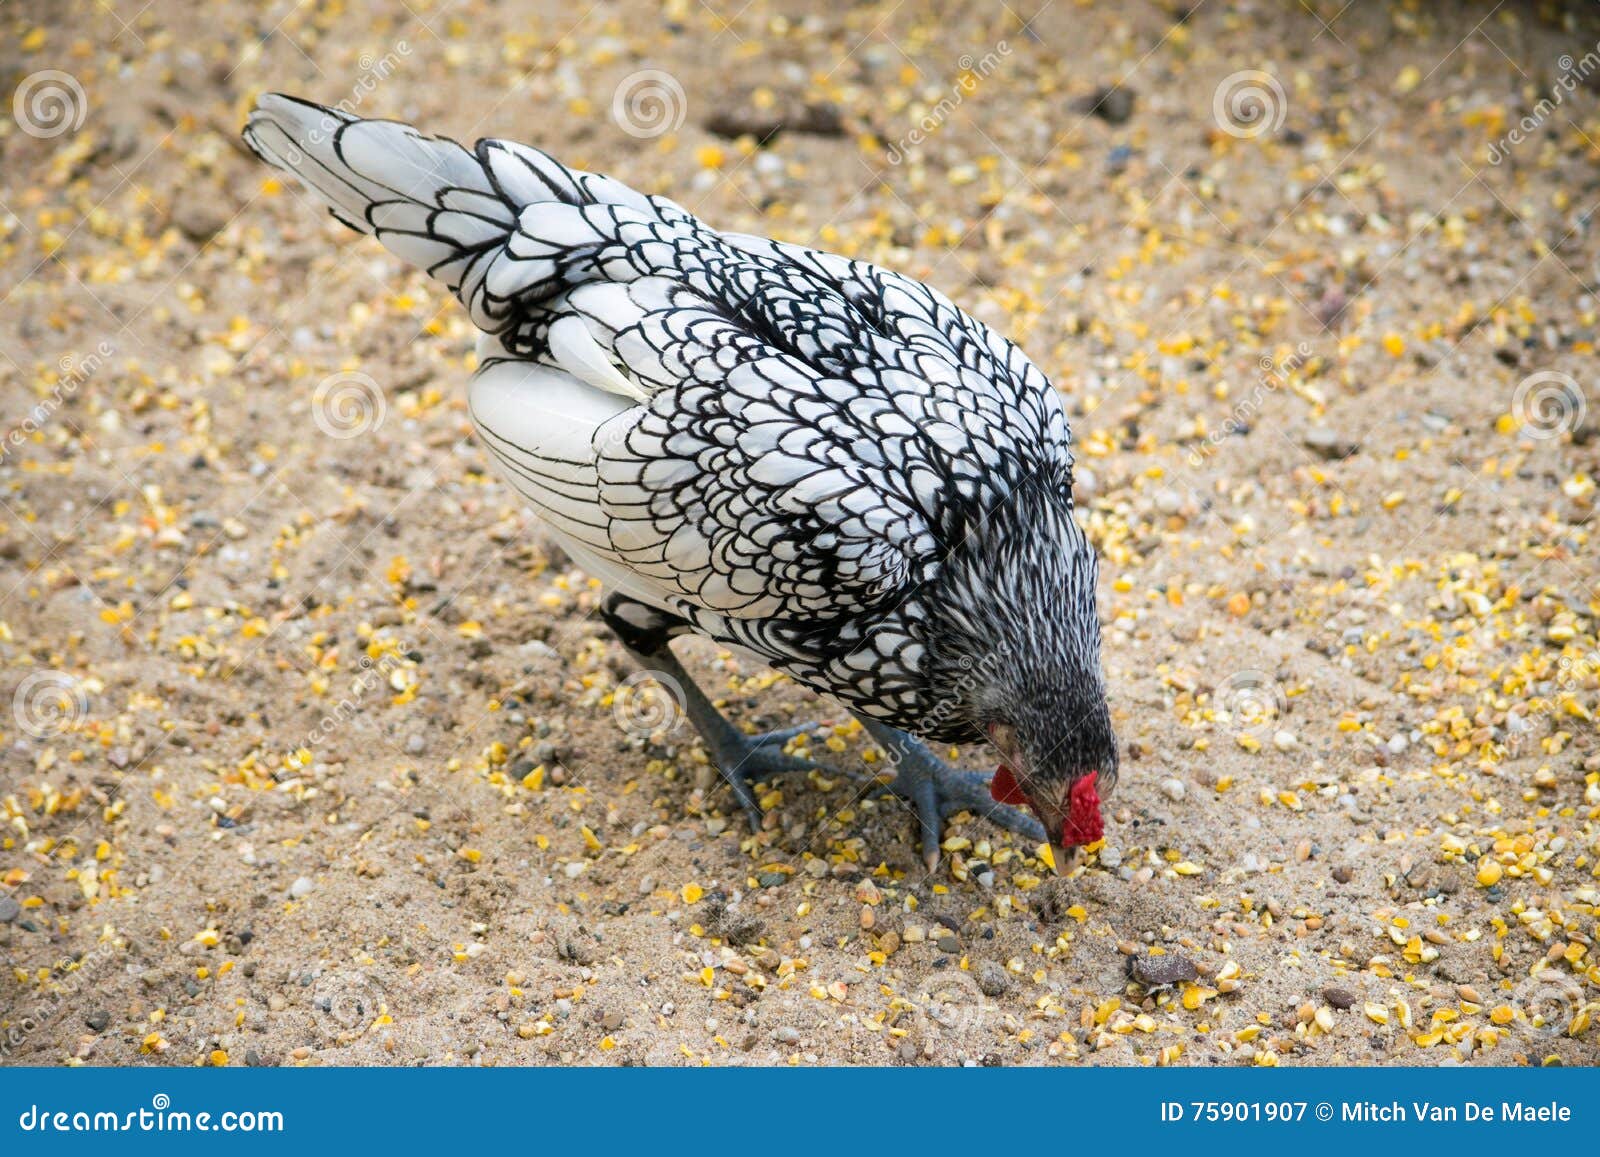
1573, 74
1250, 699
1249, 104
159, 1117
50, 103
1548, 404
649, 104
648, 703
345, 1001
372, 674
348, 404
955, 1021
1572, 670
71, 373
49, 703
1271, 376
75, 976
973, 72
1550, 1001
374, 71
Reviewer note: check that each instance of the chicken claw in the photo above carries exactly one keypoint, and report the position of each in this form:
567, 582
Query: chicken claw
938, 791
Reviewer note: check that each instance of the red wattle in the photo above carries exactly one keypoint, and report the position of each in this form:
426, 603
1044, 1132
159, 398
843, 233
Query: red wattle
1003, 788
1083, 824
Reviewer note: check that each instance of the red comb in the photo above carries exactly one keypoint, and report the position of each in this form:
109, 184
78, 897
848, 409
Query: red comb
1004, 788
1083, 824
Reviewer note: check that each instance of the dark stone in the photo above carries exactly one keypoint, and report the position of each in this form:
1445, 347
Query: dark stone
1114, 105
1160, 971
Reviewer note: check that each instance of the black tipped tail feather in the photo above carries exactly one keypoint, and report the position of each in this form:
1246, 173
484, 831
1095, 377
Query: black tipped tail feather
505, 226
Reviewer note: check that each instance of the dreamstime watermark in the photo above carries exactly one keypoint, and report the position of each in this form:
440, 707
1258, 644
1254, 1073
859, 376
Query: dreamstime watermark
1573, 670
348, 404
160, 1117
647, 703
1249, 104
1271, 377
72, 373
958, 694
372, 673
649, 103
374, 71
1573, 74
75, 975
1551, 1002
345, 1002
48, 703
1249, 699
1548, 404
50, 103
956, 1017
973, 73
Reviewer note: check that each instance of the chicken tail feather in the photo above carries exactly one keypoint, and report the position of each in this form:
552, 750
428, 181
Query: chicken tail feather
505, 226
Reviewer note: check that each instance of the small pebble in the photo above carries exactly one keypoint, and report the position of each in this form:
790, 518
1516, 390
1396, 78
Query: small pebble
1112, 105
1173, 789
301, 888
1328, 444
992, 979
1160, 971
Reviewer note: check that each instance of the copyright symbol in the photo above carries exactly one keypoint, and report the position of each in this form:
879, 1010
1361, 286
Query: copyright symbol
1324, 1112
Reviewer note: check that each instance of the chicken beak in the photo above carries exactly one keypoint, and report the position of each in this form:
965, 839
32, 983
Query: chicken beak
1067, 859
1059, 858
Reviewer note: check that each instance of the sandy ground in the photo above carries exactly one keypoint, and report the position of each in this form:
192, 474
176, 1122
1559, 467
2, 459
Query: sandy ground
315, 752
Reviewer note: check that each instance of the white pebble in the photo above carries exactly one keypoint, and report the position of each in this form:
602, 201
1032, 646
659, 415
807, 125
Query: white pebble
1285, 740
1173, 789
301, 888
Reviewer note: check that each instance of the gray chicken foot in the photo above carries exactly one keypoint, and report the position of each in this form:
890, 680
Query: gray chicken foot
938, 791
743, 760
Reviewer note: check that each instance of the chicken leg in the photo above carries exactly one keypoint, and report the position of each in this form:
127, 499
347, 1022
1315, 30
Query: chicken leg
938, 790
742, 760
927, 782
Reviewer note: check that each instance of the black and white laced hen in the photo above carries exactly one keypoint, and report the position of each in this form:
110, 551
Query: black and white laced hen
807, 457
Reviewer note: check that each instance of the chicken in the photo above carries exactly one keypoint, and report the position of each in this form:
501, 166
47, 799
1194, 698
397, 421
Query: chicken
804, 457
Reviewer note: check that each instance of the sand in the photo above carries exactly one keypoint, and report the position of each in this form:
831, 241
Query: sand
318, 755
